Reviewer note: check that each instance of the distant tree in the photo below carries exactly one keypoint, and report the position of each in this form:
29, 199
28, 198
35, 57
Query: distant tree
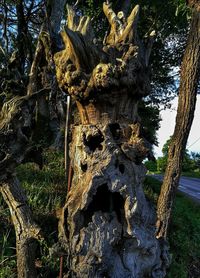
151, 165
196, 160
161, 163
187, 164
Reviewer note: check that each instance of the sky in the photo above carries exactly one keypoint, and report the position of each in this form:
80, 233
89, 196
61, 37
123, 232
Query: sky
167, 127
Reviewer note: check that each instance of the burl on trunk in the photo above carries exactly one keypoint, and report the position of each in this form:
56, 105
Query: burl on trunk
107, 226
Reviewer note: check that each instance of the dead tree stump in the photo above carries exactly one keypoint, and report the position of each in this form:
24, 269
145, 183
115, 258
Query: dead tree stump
107, 226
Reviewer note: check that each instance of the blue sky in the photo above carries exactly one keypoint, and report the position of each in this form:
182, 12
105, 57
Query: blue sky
167, 128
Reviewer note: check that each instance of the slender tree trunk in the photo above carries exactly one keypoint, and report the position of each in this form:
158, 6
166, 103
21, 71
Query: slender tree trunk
27, 232
185, 113
56, 9
5, 35
107, 227
24, 44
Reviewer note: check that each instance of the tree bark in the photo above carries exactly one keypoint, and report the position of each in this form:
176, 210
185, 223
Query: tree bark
107, 227
24, 44
189, 78
5, 35
47, 112
16, 120
56, 9
26, 230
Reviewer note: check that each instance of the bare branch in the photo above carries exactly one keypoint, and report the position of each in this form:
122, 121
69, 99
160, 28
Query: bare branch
72, 18
130, 32
149, 47
115, 24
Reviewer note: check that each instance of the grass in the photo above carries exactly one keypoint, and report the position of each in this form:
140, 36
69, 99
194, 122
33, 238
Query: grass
193, 174
46, 192
184, 233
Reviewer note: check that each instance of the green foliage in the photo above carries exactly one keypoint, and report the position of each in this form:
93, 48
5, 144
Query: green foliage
161, 164
192, 174
184, 233
44, 188
150, 120
188, 161
196, 160
171, 30
151, 166
7, 253
7, 243
162, 161
165, 147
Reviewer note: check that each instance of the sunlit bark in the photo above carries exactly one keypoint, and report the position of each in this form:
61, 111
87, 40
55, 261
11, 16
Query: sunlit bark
107, 227
189, 78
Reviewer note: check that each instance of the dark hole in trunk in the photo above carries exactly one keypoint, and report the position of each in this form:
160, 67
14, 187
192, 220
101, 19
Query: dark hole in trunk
65, 224
121, 168
84, 167
104, 201
94, 142
34, 155
2, 155
26, 130
115, 130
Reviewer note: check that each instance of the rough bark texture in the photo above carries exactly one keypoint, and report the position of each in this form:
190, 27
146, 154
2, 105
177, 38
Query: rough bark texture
190, 70
24, 43
42, 74
26, 230
56, 14
107, 226
15, 131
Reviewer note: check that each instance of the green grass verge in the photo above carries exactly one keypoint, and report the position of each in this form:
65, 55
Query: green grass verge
191, 174
184, 233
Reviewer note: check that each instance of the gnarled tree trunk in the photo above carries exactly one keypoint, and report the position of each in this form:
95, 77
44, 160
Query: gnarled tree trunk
42, 74
16, 120
107, 226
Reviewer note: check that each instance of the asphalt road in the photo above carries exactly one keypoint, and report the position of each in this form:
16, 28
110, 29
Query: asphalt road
189, 186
